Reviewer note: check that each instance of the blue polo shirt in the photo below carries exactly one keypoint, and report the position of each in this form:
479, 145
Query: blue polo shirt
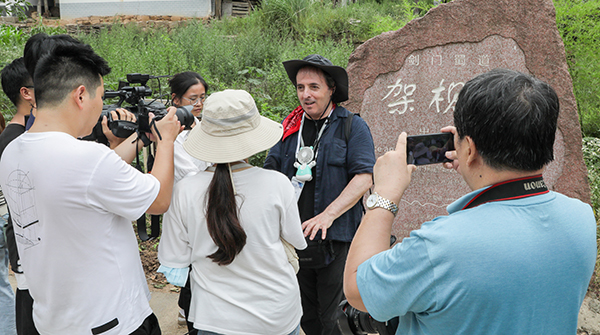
507, 267
337, 162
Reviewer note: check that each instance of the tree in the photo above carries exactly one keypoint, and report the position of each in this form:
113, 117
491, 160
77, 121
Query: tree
16, 8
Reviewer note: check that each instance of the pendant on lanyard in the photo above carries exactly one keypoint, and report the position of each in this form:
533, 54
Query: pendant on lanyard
304, 164
306, 157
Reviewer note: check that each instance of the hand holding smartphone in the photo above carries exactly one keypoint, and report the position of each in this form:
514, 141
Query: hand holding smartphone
429, 148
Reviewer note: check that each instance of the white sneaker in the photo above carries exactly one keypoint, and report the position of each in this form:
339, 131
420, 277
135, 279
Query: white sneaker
181, 318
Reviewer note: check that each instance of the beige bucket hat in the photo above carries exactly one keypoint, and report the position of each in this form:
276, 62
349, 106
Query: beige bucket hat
231, 129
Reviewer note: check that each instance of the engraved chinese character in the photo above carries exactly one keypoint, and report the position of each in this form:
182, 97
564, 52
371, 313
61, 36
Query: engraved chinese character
403, 101
397, 85
452, 101
452, 98
437, 96
413, 60
436, 59
460, 60
484, 60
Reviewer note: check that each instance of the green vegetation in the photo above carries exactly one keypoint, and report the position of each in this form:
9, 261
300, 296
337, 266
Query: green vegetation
591, 156
12, 41
579, 24
15, 8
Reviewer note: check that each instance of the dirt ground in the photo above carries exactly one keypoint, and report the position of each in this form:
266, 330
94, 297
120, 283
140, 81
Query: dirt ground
148, 254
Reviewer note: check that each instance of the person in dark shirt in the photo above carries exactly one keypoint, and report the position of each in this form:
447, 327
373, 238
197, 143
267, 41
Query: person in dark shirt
18, 86
328, 154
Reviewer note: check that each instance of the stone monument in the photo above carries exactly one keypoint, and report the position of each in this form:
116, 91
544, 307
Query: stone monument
409, 80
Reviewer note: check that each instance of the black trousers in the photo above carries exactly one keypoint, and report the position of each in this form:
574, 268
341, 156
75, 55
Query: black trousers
322, 290
149, 326
24, 313
25, 325
185, 300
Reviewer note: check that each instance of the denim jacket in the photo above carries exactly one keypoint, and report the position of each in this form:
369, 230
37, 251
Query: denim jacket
337, 163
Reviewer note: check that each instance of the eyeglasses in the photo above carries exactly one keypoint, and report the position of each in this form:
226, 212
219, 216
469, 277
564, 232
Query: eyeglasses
194, 102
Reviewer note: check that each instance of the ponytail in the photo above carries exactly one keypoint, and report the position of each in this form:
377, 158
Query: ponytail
222, 217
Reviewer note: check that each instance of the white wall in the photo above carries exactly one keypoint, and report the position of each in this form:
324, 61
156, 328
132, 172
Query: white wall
82, 8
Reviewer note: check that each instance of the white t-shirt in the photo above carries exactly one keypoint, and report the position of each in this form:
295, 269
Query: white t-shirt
72, 203
258, 292
185, 165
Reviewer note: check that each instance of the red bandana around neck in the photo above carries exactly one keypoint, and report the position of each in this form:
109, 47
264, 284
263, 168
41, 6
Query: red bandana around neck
292, 122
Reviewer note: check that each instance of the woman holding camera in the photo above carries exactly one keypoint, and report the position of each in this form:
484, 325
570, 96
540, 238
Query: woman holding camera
228, 224
187, 88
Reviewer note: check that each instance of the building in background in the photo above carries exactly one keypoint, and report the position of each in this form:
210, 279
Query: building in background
70, 9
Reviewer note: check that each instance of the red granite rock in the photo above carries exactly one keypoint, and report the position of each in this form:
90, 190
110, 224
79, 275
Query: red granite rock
407, 80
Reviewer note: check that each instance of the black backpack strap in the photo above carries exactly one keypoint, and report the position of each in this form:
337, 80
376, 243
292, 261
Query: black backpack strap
348, 126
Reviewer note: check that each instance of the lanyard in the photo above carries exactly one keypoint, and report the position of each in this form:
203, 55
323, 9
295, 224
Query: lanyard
317, 140
509, 190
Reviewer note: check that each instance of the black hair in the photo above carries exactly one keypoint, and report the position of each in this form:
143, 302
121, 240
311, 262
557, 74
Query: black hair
41, 44
511, 117
15, 76
181, 82
64, 69
222, 217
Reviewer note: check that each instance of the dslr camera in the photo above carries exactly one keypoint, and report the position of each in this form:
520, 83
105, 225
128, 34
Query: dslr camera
351, 321
134, 92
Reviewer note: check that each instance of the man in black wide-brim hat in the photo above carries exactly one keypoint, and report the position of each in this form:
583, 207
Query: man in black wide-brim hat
328, 154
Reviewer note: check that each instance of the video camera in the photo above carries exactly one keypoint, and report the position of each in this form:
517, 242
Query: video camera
351, 321
135, 97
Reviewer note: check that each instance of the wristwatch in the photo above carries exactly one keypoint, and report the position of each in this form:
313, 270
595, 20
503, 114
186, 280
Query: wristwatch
375, 200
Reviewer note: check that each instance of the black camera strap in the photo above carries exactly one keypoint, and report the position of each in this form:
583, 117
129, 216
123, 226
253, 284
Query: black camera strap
154, 219
510, 190
154, 227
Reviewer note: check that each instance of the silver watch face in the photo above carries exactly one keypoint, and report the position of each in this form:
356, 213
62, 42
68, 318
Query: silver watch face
372, 200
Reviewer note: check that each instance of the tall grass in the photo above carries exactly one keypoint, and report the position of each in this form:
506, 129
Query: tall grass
12, 41
250, 59
579, 24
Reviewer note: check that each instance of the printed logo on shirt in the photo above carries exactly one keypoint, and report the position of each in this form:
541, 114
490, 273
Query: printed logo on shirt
21, 203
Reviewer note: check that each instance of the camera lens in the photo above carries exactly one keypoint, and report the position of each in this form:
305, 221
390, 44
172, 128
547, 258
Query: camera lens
185, 116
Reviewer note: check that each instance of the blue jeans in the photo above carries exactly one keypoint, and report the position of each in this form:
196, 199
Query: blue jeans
202, 332
7, 295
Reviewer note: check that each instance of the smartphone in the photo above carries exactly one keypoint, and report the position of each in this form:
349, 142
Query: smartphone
429, 148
